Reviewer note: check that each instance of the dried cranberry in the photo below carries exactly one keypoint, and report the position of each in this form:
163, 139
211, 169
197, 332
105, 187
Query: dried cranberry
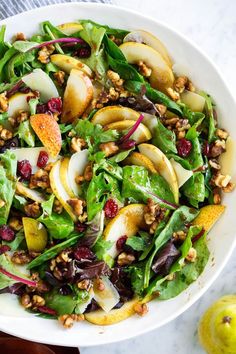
80, 227
128, 144
47, 310
206, 148
42, 159
83, 52
55, 105
111, 208
6, 233
10, 144
120, 243
42, 108
184, 147
24, 169
83, 253
4, 249
199, 235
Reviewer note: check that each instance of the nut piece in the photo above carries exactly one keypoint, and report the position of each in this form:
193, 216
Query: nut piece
173, 94
192, 255
115, 78
144, 69
222, 134
161, 109
153, 212
44, 53
179, 235
20, 257
83, 218
15, 224
77, 205
109, 148
183, 83
32, 210
57, 207
88, 172
38, 301
218, 147
216, 195
21, 117
59, 77
77, 144
220, 180
67, 321
229, 188
214, 164
40, 180
125, 259
3, 102
64, 257
141, 309
25, 301
20, 37
84, 284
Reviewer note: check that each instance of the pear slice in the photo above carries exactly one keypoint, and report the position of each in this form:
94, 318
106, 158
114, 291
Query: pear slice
59, 190
35, 234
148, 38
70, 28
193, 100
67, 63
141, 134
127, 222
18, 102
162, 165
64, 176
108, 297
135, 158
208, 216
226, 159
162, 76
31, 154
77, 164
113, 114
77, 96
181, 173
150, 121
38, 80
29, 193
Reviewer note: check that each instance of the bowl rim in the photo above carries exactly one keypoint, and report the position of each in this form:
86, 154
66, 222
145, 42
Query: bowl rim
197, 295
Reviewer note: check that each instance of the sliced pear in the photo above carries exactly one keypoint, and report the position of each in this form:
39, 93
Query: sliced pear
135, 158
226, 159
208, 216
18, 102
181, 173
141, 134
127, 222
64, 176
48, 131
77, 96
193, 100
145, 37
32, 155
162, 76
113, 114
67, 63
40, 81
108, 297
70, 28
77, 164
162, 165
150, 121
35, 234
29, 193
59, 190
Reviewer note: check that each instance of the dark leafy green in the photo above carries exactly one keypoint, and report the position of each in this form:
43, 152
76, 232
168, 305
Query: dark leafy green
118, 33
210, 117
164, 138
194, 189
125, 70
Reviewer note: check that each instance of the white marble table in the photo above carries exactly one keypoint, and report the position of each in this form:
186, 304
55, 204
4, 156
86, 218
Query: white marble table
212, 25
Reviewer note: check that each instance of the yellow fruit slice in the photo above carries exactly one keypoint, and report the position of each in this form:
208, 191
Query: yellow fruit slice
193, 100
17, 102
208, 216
181, 173
67, 63
70, 28
113, 114
135, 158
141, 134
64, 176
29, 193
35, 234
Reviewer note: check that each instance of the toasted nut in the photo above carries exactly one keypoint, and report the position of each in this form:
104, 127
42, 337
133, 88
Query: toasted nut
44, 53
113, 94
84, 284
214, 164
141, 309
222, 134
77, 205
88, 172
229, 188
43, 287
221, 180
20, 37
179, 235
68, 320
144, 69
82, 218
217, 148
59, 77
192, 255
153, 227
15, 224
79, 179
25, 301
180, 83
40, 179
32, 210
109, 148
2, 203
57, 207
64, 257
173, 94
161, 109
5, 134
115, 78
3, 102
20, 257
216, 195
125, 259
38, 301
77, 144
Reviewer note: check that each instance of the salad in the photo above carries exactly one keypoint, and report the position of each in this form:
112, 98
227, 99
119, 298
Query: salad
111, 173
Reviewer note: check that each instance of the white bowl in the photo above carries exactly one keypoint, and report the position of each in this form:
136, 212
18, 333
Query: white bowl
221, 239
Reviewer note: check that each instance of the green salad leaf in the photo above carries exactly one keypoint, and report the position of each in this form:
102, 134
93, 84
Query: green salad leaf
164, 138
118, 33
26, 133
194, 189
210, 117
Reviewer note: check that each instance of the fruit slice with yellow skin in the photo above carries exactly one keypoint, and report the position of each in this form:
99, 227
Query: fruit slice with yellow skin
145, 37
113, 114
70, 28
135, 158
141, 134
64, 176
18, 102
127, 222
77, 96
208, 216
77, 164
162, 165
59, 190
217, 327
162, 76
193, 100
32, 194
67, 63
32, 154
48, 131
35, 234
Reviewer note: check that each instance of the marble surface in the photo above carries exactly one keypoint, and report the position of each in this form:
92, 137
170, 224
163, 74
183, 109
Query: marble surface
212, 25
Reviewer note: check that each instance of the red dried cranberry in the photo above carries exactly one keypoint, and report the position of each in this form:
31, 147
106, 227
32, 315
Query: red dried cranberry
42, 159
83, 253
83, 52
206, 148
24, 169
55, 105
80, 227
111, 208
42, 108
120, 243
184, 147
47, 310
6, 233
128, 144
4, 249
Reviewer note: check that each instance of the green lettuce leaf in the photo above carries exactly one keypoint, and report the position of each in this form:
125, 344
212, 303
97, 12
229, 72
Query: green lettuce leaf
194, 189
26, 133
164, 138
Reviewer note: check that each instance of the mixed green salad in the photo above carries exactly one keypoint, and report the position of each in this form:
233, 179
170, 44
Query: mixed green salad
110, 172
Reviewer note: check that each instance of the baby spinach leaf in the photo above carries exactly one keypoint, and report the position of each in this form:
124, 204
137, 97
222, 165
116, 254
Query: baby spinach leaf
62, 304
112, 49
59, 226
164, 138
19, 202
26, 133
24, 46
139, 243
125, 70
180, 160
161, 187
192, 117
194, 189
3, 46
136, 274
195, 158
120, 156
118, 33
3, 61
210, 117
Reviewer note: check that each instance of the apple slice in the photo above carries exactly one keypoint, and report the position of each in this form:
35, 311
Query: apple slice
193, 100
208, 216
162, 76
162, 165
35, 234
108, 297
48, 131
145, 37
38, 80
67, 63
31, 154
141, 134
181, 173
77, 164
18, 102
113, 114
70, 28
29, 193
127, 222
77, 96
59, 190
135, 158
64, 176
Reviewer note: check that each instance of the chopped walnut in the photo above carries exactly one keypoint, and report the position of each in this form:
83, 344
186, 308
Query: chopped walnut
21, 117
77, 205
113, 94
214, 164
222, 134
220, 180
57, 273
20, 257
20, 37
25, 301
85, 284
38, 301
153, 212
77, 144
192, 255
3, 102
53, 264
44, 53
83, 218
115, 78
141, 309
64, 257
153, 227
68, 320
216, 195
229, 188
117, 41
125, 259
183, 83
2, 203
144, 69
79, 179
57, 207
15, 223
59, 77
43, 287
88, 172
48, 167
217, 148
179, 235
109, 148
32, 210
161, 109
5, 134
40, 179
173, 94
171, 122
